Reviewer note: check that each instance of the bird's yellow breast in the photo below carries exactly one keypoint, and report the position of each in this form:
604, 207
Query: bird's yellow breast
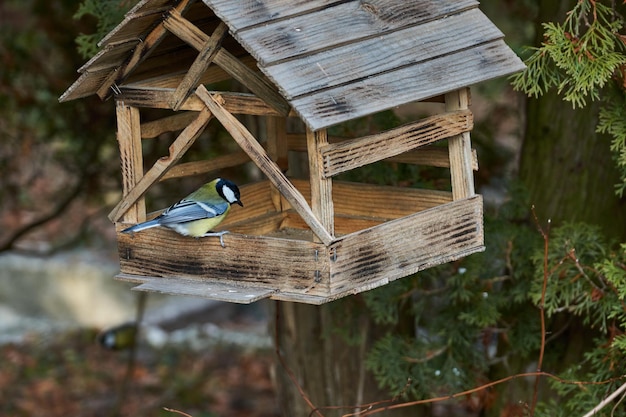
198, 228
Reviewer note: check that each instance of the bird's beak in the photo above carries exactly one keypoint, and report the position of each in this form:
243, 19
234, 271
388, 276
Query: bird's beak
240, 203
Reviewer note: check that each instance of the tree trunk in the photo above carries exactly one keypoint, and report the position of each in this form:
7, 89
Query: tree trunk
327, 362
566, 166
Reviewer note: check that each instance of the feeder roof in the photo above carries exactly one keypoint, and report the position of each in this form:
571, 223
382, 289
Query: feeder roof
331, 60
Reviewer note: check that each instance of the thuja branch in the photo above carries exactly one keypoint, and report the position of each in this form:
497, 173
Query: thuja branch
546, 245
478, 389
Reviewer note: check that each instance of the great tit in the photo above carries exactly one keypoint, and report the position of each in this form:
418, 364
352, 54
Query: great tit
198, 213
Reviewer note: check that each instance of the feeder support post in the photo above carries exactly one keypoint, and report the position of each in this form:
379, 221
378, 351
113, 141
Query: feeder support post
131, 157
460, 149
321, 186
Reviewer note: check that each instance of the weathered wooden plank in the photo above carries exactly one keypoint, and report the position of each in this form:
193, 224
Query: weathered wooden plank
385, 91
355, 61
262, 262
321, 186
434, 156
460, 150
241, 14
196, 38
265, 225
428, 155
405, 246
352, 20
109, 57
137, 21
166, 124
176, 150
203, 167
387, 202
301, 298
206, 289
154, 73
351, 154
201, 63
86, 85
131, 158
248, 143
275, 128
364, 200
343, 224
158, 98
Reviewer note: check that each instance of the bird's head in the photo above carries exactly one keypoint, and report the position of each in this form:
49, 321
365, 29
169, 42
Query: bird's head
228, 191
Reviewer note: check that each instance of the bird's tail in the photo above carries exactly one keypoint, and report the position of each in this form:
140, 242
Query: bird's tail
142, 226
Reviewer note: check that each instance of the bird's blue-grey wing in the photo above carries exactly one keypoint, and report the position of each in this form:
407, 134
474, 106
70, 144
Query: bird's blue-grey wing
188, 211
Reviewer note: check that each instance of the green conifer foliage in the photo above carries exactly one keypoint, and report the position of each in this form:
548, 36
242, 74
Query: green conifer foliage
108, 13
584, 58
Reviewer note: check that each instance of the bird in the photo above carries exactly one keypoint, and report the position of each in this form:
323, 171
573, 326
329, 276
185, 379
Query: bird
198, 213
119, 337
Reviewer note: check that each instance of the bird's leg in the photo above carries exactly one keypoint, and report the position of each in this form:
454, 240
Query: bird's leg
220, 234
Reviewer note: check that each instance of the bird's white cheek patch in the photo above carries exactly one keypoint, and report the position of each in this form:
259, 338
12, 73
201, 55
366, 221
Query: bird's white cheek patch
229, 194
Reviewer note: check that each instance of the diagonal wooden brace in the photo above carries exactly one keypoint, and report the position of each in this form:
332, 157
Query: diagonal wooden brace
177, 149
197, 39
199, 66
255, 151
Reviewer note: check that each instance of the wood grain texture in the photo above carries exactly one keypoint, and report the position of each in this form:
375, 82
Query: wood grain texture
358, 204
158, 98
364, 200
290, 267
110, 56
275, 128
460, 150
262, 262
136, 21
249, 144
405, 246
166, 124
218, 163
408, 47
428, 155
321, 185
385, 91
200, 64
351, 154
139, 54
431, 156
196, 38
257, 203
131, 158
206, 289
343, 23
176, 151
245, 13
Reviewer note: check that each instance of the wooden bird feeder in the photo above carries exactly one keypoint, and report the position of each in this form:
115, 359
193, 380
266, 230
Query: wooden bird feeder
325, 62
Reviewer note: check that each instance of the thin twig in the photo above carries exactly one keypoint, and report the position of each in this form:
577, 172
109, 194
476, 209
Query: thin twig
607, 400
171, 410
364, 408
546, 244
478, 389
617, 404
